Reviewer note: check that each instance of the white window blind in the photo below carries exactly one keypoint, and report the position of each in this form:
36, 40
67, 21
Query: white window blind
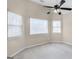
14, 25
38, 26
56, 26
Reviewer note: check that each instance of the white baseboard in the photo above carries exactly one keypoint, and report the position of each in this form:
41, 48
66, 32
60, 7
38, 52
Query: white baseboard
68, 43
62, 42
14, 54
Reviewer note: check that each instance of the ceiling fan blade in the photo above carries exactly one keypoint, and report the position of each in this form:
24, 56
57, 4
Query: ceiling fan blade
66, 8
62, 2
49, 6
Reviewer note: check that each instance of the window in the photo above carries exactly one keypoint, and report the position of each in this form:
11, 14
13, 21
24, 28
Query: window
38, 26
56, 26
14, 25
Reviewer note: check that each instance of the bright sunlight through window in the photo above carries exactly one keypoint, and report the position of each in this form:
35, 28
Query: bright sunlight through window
56, 26
38, 26
14, 25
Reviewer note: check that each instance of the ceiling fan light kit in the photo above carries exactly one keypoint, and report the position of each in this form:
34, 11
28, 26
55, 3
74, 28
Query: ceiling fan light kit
55, 11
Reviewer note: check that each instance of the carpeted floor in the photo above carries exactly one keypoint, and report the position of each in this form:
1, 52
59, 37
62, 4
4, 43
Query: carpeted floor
48, 51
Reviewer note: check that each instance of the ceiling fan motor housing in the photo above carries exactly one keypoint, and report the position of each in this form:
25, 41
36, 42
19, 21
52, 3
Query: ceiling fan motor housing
56, 6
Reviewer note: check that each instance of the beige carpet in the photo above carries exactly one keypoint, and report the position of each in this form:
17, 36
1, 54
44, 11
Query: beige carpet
49, 51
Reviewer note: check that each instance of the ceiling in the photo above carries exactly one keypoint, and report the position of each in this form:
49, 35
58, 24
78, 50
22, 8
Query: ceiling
53, 2
67, 4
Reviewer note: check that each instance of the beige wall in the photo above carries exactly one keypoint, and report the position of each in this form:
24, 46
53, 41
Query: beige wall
67, 28
26, 9
56, 37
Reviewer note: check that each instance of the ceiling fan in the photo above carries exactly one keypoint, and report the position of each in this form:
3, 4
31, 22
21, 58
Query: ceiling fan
58, 7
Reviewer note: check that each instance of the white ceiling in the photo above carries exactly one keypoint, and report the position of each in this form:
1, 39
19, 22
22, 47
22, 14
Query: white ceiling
67, 4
